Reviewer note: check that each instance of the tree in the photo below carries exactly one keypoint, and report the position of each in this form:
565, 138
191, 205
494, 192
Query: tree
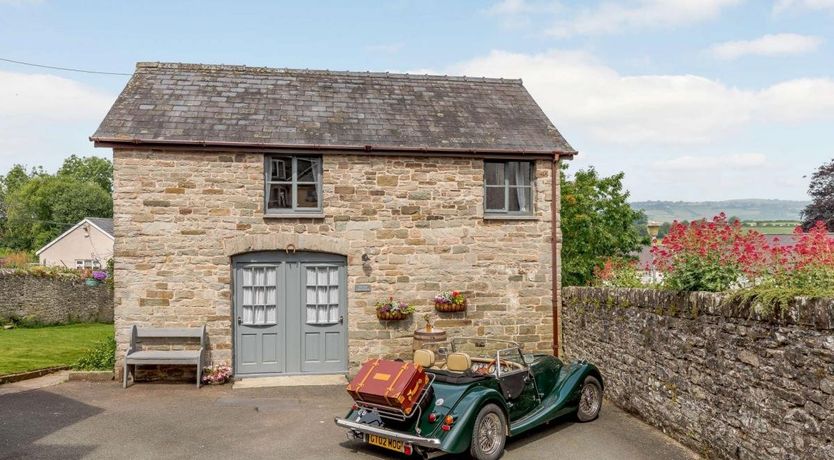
89, 169
10, 183
44, 206
597, 224
821, 190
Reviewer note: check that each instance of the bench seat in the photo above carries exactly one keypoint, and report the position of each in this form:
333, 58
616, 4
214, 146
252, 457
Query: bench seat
175, 357
135, 357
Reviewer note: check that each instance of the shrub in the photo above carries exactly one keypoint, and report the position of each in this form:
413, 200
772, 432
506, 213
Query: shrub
16, 259
618, 273
719, 255
102, 356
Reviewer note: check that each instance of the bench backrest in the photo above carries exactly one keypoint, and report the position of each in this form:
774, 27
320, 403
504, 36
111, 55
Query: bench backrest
138, 333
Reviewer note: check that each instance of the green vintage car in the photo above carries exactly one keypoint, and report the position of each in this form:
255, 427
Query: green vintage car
481, 391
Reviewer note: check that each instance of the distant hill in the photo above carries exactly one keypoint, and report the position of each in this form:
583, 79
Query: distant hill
752, 209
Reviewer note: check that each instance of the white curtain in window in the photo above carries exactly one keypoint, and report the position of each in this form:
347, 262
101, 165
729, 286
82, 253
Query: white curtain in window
522, 177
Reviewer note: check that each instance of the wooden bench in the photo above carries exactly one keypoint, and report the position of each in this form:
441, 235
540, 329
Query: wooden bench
136, 357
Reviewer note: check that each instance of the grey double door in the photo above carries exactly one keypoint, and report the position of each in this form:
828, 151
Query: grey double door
290, 313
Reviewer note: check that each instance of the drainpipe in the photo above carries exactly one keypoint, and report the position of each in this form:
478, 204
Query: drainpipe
555, 285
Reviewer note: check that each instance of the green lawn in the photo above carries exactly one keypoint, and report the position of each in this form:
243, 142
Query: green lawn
28, 349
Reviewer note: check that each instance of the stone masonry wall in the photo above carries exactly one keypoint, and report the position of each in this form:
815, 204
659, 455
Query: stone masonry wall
180, 216
725, 382
50, 300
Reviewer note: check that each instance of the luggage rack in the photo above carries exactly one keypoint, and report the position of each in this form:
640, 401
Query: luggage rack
394, 413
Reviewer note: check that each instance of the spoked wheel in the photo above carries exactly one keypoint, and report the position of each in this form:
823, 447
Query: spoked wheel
590, 400
489, 434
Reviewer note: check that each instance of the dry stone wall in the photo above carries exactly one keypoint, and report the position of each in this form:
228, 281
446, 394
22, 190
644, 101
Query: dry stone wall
720, 379
53, 300
409, 226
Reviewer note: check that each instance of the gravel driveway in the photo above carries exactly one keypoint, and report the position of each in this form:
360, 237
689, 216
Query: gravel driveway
100, 420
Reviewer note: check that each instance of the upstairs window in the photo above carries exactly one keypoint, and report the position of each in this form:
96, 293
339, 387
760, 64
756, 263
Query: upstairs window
508, 188
293, 184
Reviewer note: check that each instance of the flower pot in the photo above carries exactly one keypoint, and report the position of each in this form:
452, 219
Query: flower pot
92, 282
450, 307
391, 315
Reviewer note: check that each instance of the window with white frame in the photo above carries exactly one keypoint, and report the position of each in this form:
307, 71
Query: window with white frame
87, 263
508, 188
293, 184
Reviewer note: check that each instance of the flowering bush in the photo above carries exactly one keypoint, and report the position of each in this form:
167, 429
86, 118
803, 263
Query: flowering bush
718, 255
99, 275
618, 273
394, 306
449, 298
217, 374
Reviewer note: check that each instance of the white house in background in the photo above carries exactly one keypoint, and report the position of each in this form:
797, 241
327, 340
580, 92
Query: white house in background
88, 244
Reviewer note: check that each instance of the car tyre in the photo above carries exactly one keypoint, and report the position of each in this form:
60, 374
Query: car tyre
590, 400
489, 433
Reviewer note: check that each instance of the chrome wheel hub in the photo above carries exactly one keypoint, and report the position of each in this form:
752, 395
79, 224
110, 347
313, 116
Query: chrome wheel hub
589, 401
489, 433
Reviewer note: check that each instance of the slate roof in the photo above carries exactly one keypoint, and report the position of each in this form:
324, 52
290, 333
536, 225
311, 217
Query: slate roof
166, 103
103, 223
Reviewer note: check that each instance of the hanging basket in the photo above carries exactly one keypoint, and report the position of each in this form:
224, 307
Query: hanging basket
391, 315
450, 307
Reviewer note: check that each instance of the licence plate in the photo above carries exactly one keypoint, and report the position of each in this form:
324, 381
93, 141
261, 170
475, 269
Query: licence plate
387, 443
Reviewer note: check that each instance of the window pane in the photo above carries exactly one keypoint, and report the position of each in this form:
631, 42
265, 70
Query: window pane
281, 169
307, 169
308, 196
521, 199
280, 196
519, 172
495, 198
494, 174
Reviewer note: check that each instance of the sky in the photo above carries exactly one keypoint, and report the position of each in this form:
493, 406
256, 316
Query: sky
691, 99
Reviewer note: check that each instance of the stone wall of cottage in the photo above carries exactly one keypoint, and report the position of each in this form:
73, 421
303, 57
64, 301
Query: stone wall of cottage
710, 372
44, 299
180, 216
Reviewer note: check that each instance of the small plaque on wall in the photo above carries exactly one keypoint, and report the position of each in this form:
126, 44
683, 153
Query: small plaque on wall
362, 288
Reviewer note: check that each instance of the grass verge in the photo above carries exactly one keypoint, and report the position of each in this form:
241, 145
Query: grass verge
29, 349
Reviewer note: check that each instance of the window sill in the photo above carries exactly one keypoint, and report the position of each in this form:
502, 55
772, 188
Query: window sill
510, 217
297, 215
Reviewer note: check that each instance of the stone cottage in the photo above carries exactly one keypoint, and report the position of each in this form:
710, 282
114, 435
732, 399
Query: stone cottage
277, 206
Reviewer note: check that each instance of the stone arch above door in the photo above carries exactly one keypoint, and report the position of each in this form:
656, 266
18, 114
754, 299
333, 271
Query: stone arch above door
283, 241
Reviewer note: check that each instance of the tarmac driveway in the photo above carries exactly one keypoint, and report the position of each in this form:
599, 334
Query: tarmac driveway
101, 420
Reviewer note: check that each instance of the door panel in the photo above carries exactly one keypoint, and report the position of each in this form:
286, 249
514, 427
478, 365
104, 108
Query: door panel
324, 325
259, 308
290, 312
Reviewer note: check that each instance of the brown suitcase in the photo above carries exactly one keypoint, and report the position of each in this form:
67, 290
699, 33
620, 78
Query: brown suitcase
394, 384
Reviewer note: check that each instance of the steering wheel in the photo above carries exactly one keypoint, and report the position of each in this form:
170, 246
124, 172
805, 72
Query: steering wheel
489, 368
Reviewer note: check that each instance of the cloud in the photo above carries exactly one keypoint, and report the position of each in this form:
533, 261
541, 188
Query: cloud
515, 14
782, 5
690, 163
767, 45
611, 17
582, 95
44, 118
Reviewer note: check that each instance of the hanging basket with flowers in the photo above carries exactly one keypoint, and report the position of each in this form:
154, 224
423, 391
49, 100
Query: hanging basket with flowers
393, 310
447, 302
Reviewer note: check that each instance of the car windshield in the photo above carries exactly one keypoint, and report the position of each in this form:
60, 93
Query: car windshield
484, 353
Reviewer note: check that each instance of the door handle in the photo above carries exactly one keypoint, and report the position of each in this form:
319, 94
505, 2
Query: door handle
341, 319
239, 321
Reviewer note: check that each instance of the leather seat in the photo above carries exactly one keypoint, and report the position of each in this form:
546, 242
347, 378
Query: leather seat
424, 358
458, 362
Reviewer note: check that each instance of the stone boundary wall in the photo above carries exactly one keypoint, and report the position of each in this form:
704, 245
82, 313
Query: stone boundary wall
53, 300
726, 382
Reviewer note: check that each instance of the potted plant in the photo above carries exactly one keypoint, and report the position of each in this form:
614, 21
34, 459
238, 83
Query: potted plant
393, 310
450, 302
217, 374
95, 278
